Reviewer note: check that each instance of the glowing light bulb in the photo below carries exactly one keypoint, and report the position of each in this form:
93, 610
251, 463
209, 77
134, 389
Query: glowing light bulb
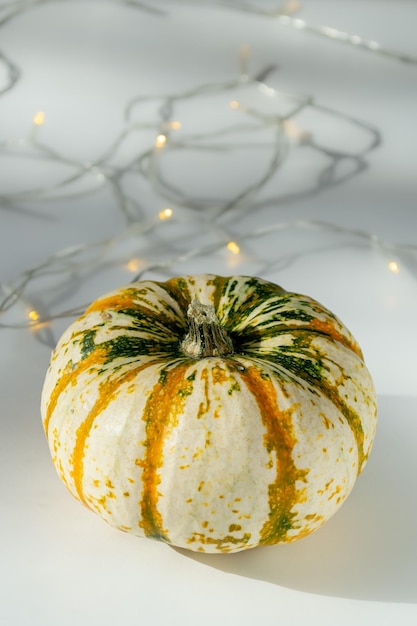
39, 118
160, 141
292, 6
233, 247
134, 265
234, 104
175, 125
165, 214
394, 267
33, 315
293, 130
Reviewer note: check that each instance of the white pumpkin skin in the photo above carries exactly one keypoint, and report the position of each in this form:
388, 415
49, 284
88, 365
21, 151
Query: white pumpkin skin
218, 453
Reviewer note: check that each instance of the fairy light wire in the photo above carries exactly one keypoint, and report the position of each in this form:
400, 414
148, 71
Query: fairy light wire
65, 261
16, 8
69, 262
283, 14
234, 246
13, 73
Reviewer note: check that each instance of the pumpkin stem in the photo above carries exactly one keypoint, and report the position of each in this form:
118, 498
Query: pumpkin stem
206, 337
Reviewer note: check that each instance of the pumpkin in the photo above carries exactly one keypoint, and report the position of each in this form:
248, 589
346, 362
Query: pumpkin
211, 413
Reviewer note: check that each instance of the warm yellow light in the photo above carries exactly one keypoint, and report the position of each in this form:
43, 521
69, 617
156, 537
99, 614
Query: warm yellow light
134, 265
292, 6
39, 118
33, 315
234, 104
165, 214
160, 141
294, 131
394, 267
233, 247
175, 125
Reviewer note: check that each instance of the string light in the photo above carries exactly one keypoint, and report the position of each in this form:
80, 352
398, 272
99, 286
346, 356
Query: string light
64, 263
169, 264
283, 14
165, 214
33, 315
134, 265
292, 6
293, 130
39, 118
394, 267
67, 262
160, 140
233, 247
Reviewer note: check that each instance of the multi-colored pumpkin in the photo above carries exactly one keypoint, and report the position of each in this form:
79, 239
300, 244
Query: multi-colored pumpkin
215, 414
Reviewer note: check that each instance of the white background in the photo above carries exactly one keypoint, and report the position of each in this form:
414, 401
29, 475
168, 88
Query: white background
81, 62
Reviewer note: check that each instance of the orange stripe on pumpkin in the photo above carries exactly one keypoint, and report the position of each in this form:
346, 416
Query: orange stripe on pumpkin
279, 438
116, 302
329, 329
108, 391
70, 375
162, 413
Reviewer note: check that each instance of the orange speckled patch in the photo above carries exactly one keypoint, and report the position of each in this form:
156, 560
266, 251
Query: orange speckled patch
223, 544
204, 407
279, 438
335, 492
55, 457
327, 423
219, 375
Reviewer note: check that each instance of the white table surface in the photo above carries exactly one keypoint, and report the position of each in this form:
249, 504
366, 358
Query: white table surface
80, 63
